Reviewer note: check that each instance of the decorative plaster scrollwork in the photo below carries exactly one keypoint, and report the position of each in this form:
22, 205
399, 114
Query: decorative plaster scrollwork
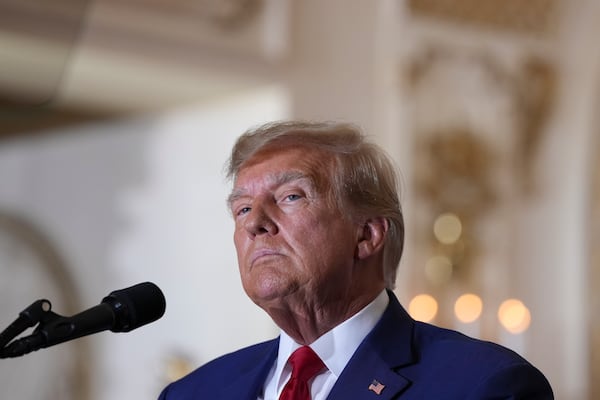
531, 16
478, 120
508, 104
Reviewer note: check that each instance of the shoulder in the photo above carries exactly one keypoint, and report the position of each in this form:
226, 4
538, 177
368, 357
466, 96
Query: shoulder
475, 366
211, 376
433, 341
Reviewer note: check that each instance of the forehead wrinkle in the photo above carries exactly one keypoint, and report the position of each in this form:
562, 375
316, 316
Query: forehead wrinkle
274, 180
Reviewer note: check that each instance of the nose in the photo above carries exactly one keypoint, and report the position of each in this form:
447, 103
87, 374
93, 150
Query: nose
259, 222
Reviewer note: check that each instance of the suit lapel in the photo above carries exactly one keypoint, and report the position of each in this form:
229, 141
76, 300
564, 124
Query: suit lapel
247, 382
371, 372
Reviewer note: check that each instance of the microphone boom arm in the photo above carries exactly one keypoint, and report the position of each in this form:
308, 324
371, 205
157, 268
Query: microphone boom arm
121, 311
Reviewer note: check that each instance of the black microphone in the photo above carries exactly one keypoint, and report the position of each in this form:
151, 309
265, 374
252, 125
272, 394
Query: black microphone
121, 311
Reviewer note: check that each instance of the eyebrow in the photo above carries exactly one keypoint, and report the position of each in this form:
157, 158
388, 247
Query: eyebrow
278, 179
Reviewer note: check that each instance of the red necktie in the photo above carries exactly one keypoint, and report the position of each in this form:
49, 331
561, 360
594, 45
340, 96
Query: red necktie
305, 365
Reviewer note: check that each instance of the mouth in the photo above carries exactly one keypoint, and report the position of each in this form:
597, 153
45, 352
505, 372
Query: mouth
262, 254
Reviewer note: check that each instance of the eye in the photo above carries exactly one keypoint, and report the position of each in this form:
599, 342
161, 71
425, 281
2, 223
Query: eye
242, 211
292, 197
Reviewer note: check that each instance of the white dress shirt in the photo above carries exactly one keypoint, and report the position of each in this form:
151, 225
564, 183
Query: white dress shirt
335, 348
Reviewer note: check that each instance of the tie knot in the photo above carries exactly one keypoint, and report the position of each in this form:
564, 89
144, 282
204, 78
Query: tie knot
305, 364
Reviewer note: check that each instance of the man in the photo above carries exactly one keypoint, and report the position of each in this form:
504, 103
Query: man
319, 234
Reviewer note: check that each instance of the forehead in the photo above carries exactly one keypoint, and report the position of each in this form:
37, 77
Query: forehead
280, 166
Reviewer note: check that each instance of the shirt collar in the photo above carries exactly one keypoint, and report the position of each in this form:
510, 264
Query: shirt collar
337, 346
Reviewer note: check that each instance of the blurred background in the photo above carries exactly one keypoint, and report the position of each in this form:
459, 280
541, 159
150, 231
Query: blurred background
117, 116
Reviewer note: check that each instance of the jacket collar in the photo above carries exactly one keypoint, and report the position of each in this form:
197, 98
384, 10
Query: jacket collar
373, 367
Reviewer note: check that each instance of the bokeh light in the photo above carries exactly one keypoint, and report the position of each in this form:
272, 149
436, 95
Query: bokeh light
514, 316
447, 228
423, 307
468, 307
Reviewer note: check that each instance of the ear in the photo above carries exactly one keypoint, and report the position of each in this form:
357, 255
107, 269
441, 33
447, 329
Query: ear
372, 237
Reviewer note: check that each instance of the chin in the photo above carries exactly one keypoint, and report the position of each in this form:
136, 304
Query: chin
265, 295
268, 291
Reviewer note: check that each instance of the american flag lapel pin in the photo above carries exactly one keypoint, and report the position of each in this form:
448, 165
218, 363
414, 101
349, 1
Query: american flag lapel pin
376, 387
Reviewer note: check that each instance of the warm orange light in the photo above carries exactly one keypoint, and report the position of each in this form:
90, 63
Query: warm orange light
423, 307
514, 316
468, 307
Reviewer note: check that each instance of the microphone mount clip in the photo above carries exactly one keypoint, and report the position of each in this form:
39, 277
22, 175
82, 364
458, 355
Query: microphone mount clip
38, 313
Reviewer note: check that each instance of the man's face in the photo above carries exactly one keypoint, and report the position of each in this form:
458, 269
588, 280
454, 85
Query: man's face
291, 242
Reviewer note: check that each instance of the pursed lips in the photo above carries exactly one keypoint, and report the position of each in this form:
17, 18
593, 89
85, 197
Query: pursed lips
261, 253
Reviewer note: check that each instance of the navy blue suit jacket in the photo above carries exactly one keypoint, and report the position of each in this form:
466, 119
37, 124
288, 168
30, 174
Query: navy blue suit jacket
413, 360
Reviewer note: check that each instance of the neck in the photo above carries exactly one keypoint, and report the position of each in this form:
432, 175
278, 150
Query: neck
305, 321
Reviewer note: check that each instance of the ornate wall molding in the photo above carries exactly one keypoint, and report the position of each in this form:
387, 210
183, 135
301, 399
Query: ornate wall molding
478, 119
476, 90
531, 17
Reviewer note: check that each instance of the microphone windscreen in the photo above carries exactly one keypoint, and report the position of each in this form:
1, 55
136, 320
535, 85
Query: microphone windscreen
136, 306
